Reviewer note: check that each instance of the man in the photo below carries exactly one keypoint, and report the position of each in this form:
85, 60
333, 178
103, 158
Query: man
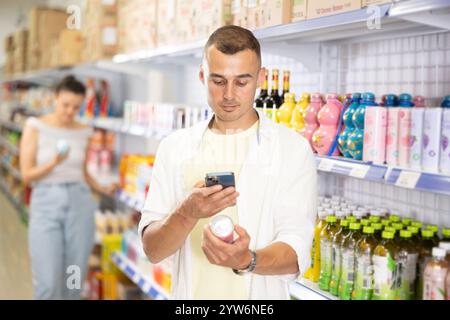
273, 206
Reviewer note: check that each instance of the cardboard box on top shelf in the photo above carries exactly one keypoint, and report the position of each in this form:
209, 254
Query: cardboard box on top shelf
252, 9
9, 63
366, 3
278, 12
220, 15
70, 45
321, 8
239, 13
167, 34
54, 52
261, 15
44, 27
299, 8
100, 30
137, 25
20, 43
186, 16
9, 43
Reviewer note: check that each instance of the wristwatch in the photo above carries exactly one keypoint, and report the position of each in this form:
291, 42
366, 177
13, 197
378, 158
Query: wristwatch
250, 267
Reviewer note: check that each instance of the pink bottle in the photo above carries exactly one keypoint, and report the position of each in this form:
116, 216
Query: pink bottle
310, 116
375, 126
404, 140
328, 118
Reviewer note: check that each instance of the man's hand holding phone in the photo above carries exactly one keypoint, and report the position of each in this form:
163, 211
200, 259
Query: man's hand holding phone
204, 202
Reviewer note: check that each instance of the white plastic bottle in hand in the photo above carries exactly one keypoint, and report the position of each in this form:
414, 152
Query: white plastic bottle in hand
222, 227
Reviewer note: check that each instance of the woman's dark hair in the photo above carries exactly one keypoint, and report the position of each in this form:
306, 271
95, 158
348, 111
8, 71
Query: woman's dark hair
71, 84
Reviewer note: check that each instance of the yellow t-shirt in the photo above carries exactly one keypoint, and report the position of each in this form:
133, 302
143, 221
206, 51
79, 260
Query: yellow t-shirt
218, 153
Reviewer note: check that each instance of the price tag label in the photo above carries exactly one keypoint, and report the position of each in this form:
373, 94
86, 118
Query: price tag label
146, 286
136, 278
359, 171
325, 165
408, 179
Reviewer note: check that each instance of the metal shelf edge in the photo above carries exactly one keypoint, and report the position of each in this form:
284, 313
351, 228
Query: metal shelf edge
132, 272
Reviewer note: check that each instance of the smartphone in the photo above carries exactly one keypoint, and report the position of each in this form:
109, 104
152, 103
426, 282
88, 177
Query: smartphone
226, 179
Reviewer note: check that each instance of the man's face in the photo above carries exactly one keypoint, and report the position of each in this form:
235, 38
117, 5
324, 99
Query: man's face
231, 81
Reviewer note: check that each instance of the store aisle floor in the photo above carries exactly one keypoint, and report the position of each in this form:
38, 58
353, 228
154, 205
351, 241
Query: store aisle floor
15, 270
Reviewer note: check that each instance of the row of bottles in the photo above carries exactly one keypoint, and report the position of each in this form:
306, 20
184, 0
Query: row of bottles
96, 104
362, 256
398, 131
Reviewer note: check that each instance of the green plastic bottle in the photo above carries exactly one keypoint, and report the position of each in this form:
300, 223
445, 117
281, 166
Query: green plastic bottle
391, 229
394, 218
414, 235
435, 230
348, 262
336, 256
446, 234
326, 238
417, 224
378, 228
363, 287
406, 222
365, 222
385, 268
375, 216
424, 250
398, 226
386, 222
407, 257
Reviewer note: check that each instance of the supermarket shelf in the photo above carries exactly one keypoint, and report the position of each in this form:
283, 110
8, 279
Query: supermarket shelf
424, 181
400, 177
402, 18
130, 201
12, 148
12, 170
10, 125
351, 168
117, 125
146, 283
301, 289
307, 290
23, 211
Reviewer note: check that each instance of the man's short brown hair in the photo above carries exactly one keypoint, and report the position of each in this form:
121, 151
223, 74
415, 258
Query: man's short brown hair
234, 39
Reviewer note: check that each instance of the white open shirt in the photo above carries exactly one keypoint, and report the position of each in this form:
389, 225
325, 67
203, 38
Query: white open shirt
277, 202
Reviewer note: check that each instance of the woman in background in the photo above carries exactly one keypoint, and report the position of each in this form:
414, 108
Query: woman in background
53, 153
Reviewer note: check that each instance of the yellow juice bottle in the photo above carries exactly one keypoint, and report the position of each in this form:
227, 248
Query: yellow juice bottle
297, 121
284, 114
313, 272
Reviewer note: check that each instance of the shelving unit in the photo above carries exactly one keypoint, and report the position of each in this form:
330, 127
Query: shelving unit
400, 177
307, 290
146, 283
12, 170
402, 19
11, 126
23, 212
12, 148
130, 201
